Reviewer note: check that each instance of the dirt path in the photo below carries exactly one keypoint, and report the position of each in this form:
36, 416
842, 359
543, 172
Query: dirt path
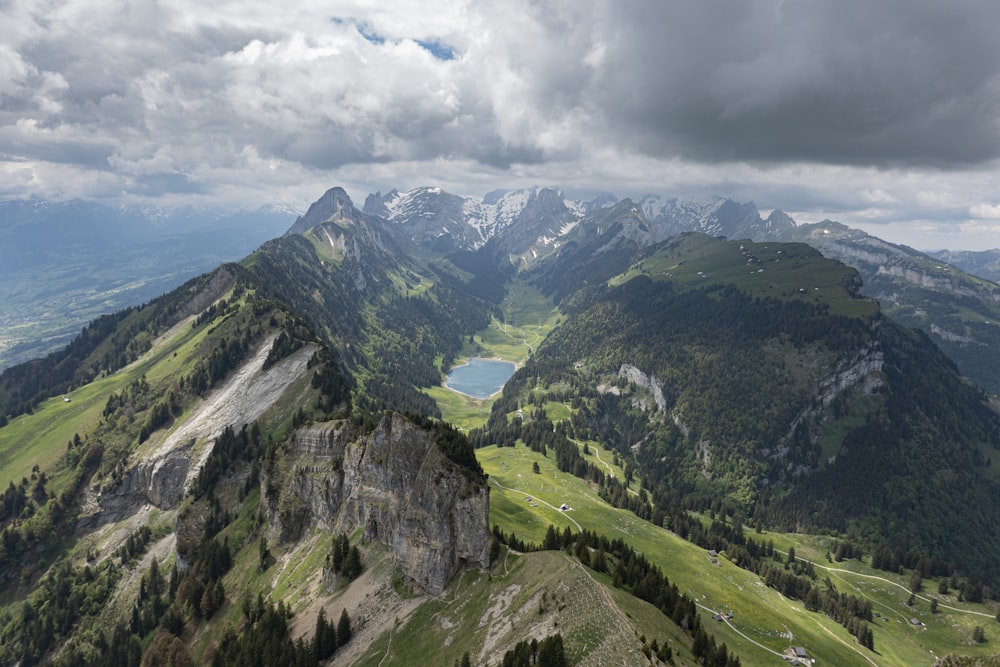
373, 606
388, 649
522, 341
892, 583
611, 473
554, 508
737, 631
853, 648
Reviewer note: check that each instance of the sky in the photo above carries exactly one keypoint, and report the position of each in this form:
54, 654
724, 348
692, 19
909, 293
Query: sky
882, 114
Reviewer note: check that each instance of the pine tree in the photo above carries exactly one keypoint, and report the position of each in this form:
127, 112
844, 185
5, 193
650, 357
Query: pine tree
341, 546
352, 564
599, 563
343, 628
325, 640
551, 652
263, 554
551, 541
175, 580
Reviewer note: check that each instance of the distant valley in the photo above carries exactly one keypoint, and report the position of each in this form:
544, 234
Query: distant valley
62, 265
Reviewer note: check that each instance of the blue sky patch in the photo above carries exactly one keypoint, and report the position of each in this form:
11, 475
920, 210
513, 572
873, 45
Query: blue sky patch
437, 49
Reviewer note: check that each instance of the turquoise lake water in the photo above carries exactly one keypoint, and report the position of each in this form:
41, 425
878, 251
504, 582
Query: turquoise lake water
480, 378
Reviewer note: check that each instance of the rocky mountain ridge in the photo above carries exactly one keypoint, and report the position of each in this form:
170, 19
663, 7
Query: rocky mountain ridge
531, 222
984, 263
523, 226
396, 484
712, 370
960, 311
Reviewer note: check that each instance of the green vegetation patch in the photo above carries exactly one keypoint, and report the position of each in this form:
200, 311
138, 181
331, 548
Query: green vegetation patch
40, 438
778, 270
463, 412
525, 596
764, 622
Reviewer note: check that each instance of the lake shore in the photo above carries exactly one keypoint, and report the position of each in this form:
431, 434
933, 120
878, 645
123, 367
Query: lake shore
480, 378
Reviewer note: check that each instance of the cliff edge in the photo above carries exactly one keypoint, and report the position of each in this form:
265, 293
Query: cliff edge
396, 482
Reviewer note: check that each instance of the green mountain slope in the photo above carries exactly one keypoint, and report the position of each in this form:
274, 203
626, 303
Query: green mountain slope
753, 373
959, 311
196, 479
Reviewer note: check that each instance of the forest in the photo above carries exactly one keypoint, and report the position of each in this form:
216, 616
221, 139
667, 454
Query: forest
715, 399
742, 415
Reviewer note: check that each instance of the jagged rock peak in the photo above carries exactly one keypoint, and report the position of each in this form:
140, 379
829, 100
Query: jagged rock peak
375, 203
426, 216
716, 217
776, 227
779, 218
335, 203
334, 199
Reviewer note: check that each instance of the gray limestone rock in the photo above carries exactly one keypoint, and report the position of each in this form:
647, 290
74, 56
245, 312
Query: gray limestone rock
393, 481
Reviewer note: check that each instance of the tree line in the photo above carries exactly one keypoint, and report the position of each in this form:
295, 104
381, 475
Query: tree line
632, 571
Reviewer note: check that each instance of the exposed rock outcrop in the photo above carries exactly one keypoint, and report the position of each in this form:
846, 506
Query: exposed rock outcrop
393, 481
202, 296
162, 477
334, 204
861, 374
638, 378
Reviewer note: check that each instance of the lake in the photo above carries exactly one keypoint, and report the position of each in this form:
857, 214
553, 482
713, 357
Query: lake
480, 378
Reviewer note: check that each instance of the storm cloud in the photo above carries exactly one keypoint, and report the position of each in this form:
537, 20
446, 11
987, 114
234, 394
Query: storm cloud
895, 83
876, 112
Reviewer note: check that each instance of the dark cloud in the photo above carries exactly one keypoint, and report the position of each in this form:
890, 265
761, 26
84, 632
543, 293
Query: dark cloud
875, 107
894, 82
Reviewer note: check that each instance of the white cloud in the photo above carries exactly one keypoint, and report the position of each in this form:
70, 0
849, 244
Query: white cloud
985, 210
878, 113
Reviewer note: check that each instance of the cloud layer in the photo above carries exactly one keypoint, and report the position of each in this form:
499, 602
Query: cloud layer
872, 112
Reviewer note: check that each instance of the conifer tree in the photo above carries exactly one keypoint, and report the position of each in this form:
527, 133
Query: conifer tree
344, 628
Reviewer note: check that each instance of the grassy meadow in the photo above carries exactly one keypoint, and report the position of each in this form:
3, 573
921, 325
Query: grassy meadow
764, 622
777, 270
40, 438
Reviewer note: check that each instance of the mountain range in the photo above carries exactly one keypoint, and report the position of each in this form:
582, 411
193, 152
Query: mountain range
959, 308
212, 476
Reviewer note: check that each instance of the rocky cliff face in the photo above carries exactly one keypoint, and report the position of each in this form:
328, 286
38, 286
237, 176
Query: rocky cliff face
959, 310
634, 375
395, 483
861, 373
163, 476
